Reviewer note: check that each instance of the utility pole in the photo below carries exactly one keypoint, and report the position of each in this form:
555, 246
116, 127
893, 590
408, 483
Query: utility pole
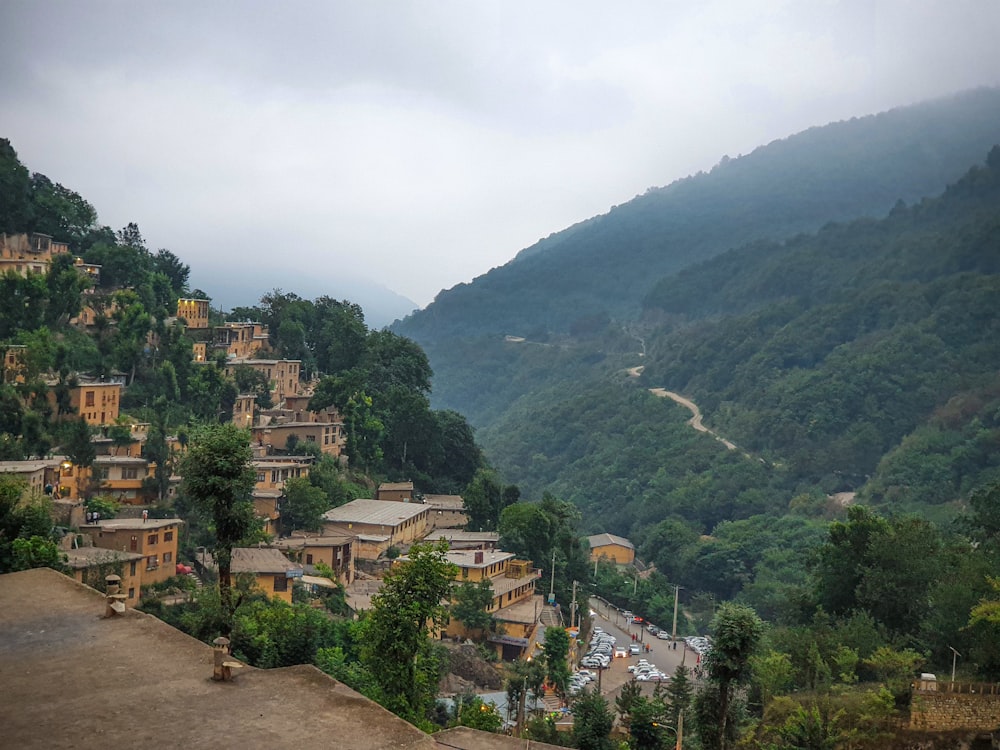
677, 591
552, 586
954, 656
680, 731
572, 621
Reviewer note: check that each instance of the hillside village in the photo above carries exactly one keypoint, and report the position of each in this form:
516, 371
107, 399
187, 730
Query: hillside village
356, 540
376, 544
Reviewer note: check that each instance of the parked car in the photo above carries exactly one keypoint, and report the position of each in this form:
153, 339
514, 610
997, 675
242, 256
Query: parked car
663, 635
635, 649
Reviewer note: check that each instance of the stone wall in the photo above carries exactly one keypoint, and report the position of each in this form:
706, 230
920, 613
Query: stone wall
956, 706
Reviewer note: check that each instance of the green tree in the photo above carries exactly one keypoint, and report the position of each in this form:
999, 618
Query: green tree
218, 479
303, 506
736, 630
485, 499
678, 693
470, 604
592, 722
472, 712
36, 552
396, 650
556, 654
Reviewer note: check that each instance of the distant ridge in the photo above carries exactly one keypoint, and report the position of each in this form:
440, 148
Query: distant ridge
604, 266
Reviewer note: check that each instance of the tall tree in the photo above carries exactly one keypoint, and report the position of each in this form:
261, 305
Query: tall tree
396, 648
218, 480
556, 654
592, 722
736, 631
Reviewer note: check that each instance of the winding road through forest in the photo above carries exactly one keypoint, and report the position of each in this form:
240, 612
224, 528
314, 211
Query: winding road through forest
688, 404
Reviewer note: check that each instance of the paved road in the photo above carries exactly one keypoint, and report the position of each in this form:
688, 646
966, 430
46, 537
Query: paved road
661, 652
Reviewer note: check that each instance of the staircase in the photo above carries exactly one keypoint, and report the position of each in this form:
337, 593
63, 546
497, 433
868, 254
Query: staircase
551, 617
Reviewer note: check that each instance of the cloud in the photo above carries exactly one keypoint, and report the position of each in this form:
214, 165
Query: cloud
421, 144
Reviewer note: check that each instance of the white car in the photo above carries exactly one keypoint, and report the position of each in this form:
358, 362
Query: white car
663, 635
621, 652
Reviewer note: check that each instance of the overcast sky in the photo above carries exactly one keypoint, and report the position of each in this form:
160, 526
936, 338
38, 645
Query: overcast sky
420, 144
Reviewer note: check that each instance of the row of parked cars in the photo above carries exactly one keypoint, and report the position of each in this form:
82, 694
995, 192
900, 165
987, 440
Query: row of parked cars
698, 643
580, 680
644, 671
601, 651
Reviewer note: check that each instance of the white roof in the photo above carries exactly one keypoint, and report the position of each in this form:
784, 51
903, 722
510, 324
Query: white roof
375, 512
603, 540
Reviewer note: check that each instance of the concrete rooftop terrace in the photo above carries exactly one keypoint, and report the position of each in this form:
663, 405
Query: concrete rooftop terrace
75, 680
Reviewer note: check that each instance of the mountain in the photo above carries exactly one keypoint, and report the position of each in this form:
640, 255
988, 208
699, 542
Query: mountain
823, 340
381, 305
604, 267
864, 356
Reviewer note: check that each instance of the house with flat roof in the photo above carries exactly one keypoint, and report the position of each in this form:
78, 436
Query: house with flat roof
282, 374
616, 549
458, 539
337, 551
194, 311
385, 523
37, 475
447, 511
514, 603
122, 477
273, 572
400, 492
91, 565
155, 539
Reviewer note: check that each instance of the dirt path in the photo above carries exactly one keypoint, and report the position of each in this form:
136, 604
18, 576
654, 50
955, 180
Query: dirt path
695, 420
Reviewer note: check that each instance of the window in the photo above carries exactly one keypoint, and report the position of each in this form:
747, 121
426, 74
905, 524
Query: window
89, 398
280, 583
152, 562
168, 536
132, 473
131, 569
131, 591
261, 476
134, 543
309, 559
153, 539
167, 557
465, 572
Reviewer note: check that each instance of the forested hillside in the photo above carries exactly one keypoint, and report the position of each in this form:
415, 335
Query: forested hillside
603, 267
817, 356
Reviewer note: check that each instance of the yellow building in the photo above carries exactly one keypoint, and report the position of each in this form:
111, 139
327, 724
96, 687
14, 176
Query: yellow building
96, 401
36, 475
400, 492
267, 507
282, 374
90, 565
243, 410
155, 539
273, 572
329, 436
334, 550
273, 472
447, 511
199, 350
241, 340
28, 253
194, 312
616, 549
378, 524
514, 604
122, 477
13, 366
